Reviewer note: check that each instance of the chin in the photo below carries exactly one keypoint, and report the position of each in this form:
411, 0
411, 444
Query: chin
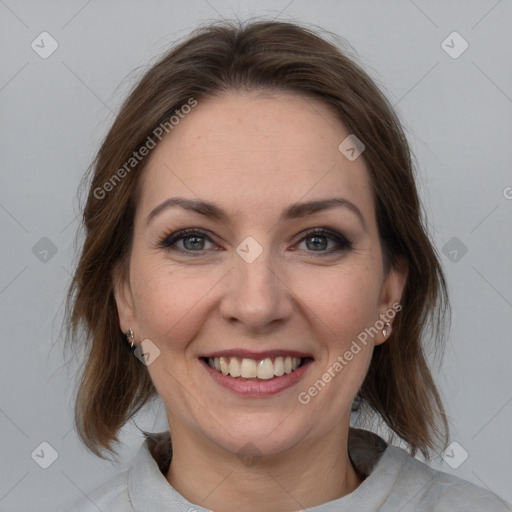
272, 435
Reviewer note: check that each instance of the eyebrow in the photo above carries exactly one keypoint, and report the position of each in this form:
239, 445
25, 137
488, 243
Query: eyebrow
294, 211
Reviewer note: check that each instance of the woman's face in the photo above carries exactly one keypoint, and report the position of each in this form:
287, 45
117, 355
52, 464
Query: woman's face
253, 277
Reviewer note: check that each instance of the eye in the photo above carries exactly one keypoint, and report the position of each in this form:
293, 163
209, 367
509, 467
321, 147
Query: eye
317, 240
193, 240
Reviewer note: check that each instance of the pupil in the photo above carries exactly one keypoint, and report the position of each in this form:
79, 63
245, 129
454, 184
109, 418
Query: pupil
194, 245
318, 238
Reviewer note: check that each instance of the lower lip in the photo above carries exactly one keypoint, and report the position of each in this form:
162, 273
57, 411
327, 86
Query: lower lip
258, 388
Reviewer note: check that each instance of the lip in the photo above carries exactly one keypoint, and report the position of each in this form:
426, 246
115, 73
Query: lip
257, 388
258, 356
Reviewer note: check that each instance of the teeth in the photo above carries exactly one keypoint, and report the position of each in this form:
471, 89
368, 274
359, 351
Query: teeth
265, 369
279, 366
234, 367
249, 368
224, 367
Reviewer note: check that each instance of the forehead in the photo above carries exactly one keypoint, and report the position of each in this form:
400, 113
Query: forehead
252, 151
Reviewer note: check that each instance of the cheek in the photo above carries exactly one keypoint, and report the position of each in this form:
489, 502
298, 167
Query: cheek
168, 300
342, 306
344, 301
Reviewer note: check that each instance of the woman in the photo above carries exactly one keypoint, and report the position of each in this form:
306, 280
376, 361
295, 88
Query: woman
255, 255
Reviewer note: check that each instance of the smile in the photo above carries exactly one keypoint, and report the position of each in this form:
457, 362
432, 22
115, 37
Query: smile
256, 378
264, 369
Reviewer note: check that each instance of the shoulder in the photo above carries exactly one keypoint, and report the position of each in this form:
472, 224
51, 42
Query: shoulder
111, 496
430, 490
142, 482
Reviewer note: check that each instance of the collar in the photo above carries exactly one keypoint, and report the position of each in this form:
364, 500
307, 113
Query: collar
149, 489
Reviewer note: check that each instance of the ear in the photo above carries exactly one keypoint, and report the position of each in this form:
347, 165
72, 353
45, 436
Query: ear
391, 294
124, 299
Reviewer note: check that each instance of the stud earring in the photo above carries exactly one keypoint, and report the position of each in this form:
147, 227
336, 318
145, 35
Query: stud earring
386, 330
130, 337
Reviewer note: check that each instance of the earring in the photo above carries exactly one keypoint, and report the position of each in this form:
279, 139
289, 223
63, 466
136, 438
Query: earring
386, 330
130, 337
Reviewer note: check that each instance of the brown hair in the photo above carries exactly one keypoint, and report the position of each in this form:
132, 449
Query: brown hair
266, 56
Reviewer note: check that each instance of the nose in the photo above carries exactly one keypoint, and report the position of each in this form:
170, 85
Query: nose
257, 295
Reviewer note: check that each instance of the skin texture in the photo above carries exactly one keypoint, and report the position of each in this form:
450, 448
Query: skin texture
254, 154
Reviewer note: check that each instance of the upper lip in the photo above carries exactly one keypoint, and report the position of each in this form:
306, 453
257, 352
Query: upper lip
250, 354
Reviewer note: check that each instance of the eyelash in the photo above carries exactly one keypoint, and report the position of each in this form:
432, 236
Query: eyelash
168, 241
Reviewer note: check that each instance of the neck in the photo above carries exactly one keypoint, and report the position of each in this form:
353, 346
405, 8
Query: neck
304, 477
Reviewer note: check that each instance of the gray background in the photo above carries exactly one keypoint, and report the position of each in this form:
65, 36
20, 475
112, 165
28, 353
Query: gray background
457, 112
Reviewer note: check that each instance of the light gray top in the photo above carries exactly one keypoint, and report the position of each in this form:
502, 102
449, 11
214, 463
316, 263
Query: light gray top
394, 482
